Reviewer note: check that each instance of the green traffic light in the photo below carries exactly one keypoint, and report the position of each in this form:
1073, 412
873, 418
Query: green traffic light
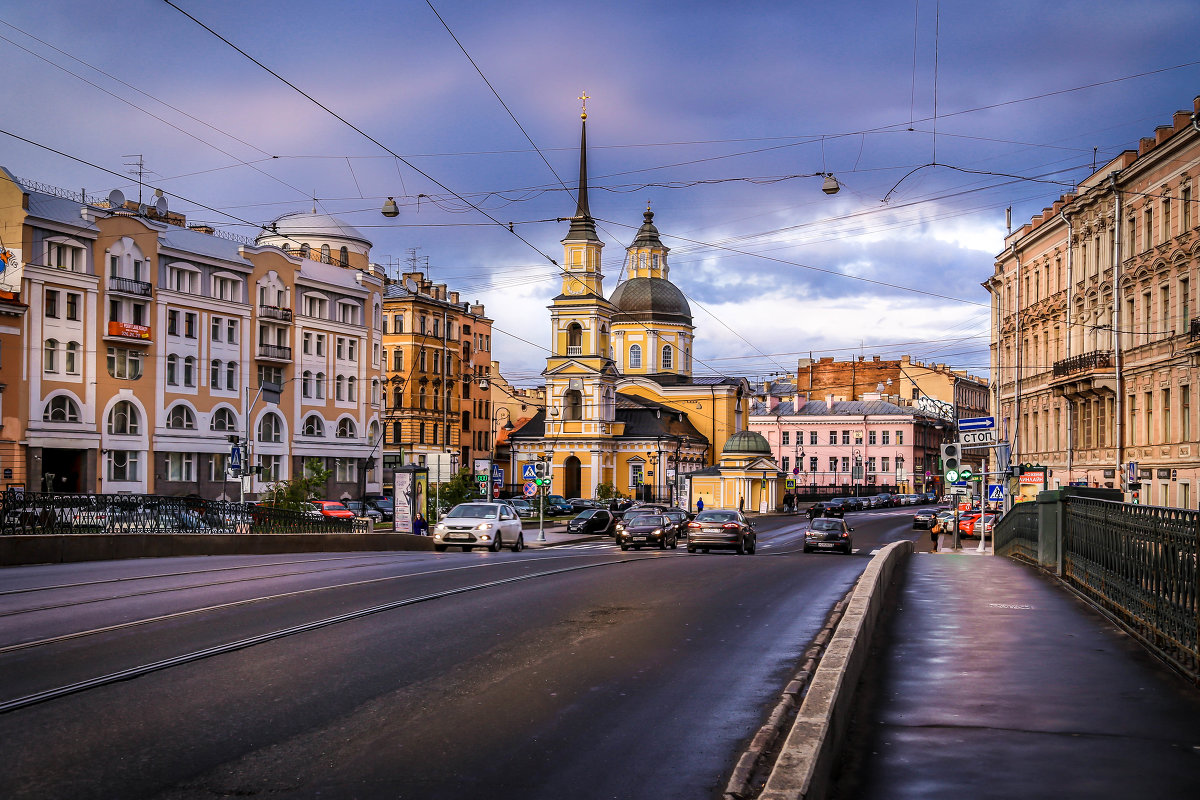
965, 474
952, 476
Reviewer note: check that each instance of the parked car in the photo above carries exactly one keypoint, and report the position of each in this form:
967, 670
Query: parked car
469, 525
599, 521
829, 534
648, 529
931, 497
557, 505
524, 507
582, 504
362, 509
383, 504
972, 525
884, 500
721, 528
332, 508
924, 518
943, 522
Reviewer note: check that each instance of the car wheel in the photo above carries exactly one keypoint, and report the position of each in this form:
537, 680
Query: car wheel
497, 544
441, 548
741, 546
519, 544
754, 545
662, 543
691, 549
624, 546
674, 543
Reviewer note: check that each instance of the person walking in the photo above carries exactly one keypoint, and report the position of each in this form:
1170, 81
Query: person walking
699, 504
787, 503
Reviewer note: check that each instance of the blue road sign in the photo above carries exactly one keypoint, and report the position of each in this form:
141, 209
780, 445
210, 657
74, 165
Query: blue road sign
977, 423
497, 473
530, 489
235, 458
528, 472
995, 493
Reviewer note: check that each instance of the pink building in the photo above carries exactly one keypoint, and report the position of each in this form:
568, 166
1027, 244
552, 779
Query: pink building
836, 447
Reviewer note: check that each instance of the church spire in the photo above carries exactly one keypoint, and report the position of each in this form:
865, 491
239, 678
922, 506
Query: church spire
582, 224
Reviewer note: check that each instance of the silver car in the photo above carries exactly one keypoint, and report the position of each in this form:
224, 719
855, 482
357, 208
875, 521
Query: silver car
470, 525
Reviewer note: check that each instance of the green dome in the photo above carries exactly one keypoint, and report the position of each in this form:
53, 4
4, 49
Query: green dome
747, 442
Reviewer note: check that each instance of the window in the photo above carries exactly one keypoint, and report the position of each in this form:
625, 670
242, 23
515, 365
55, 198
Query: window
352, 350
1185, 413
785, 438
61, 409
64, 256
858, 436
899, 438
214, 378
227, 289
345, 470
397, 360
320, 343
181, 467
124, 419
51, 303
270, 429
71, 361
122, 465
218, 465
352, 389
50, 356
398, 326
271, 468
319, 385
231, 331
172, 370
217, 327
833, 438
572, 405
340, 347
845, 437
845, 463
812, 464
635, 356
833, 464
668, 357
314, 426
306, 384
885, 464
346, 429
812, 438
887, 437
183, 280
344, 256
339, 388
72, 305
181, 418
870, 438
223, 420
231, 375
172, 323
871, 465
125, 364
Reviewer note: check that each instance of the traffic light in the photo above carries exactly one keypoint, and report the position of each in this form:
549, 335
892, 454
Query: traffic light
952, 462
540, 478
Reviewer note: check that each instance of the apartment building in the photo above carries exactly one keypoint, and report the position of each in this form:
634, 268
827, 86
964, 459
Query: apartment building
902, 379
438, 354
1095, 342
144, 344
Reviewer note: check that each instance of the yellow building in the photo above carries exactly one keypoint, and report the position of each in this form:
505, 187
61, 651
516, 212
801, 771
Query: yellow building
622, 406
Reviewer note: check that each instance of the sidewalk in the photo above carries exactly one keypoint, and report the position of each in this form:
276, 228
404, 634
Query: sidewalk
992, 681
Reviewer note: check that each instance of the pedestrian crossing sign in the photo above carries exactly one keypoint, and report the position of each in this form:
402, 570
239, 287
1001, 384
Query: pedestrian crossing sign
528, 472
995, 493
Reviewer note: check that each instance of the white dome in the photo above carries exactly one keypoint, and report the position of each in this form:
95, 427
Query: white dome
318, 227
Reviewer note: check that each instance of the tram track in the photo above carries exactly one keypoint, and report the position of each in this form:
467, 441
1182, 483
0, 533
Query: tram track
73, 687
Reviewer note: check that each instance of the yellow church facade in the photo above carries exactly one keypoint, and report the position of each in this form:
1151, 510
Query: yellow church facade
622, 406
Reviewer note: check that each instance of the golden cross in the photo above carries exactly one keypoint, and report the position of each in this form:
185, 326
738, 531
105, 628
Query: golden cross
584, 97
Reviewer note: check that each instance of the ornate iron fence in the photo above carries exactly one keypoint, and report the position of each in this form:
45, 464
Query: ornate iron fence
1016, 533
1139, 562
29, 513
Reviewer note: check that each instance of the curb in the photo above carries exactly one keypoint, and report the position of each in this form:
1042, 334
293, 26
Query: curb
802, 768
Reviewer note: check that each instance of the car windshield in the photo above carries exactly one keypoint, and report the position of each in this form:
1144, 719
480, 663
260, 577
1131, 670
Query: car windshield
587, 514
647, 519
716, 516
473, 510
826, 525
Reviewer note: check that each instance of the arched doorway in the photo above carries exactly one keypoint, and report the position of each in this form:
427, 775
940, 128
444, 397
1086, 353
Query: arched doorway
572, 477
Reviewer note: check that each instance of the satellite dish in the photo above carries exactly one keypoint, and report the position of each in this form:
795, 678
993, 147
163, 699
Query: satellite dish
160, 206
411, 285
143, 208
116, 199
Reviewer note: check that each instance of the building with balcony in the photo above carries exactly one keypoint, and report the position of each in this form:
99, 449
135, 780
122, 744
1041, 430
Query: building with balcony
1094, 344
154, 341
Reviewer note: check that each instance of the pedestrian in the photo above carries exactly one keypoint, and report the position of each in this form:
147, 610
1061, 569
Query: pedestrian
420, 526
787, 503
699, 504
742, 503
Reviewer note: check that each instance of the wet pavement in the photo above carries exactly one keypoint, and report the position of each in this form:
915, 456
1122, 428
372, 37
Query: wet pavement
993, 681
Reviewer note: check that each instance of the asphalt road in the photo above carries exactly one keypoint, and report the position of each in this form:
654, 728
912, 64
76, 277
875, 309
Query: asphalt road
574, 671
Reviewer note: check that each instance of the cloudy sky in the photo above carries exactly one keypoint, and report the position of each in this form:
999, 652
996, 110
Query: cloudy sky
934, 118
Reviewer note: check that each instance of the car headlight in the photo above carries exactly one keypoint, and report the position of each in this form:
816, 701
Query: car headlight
657, 532
483, 526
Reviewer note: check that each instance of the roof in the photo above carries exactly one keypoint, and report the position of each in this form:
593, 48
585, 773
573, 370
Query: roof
310, 223
650, 299
749, 442
841, 408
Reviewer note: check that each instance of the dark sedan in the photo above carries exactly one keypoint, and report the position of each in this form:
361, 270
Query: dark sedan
721, 528
595, 520
826, 509
648, 529
829, 534
924, 518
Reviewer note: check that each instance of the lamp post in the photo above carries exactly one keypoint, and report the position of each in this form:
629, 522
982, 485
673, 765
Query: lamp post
508, 426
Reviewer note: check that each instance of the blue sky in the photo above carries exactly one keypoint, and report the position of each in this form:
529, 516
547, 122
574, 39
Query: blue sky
706, 110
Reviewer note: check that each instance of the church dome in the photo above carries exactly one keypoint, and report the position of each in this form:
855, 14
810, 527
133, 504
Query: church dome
747, 443
299, 225
651, 299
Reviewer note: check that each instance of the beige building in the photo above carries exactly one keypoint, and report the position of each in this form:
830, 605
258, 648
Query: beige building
145, 344
1094, 334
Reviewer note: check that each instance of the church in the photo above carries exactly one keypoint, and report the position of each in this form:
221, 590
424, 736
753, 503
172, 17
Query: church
623, 407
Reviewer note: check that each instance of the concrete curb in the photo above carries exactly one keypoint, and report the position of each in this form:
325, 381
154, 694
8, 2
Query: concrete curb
802, 769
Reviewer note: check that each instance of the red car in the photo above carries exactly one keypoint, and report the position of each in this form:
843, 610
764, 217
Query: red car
971, 525
333, 508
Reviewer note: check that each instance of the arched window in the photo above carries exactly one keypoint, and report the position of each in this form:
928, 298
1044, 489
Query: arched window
421, 399
374, 390
215, 374
572, 405
319, 386
635, 356
51, 356
71, 362
324, 254
668, 357
574, 339
344, 255
124, 419
305, 249
373, 433
181, 418
352, 389
223, 420
397, 397
189, 371
339, 388
231, 375
314, 426
61, 409
270, 429
306, 384
346, 429
172, 370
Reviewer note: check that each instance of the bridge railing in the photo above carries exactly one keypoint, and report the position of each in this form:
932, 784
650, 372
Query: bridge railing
32, 513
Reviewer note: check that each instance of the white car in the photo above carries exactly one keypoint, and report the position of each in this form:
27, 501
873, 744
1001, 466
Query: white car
469, 525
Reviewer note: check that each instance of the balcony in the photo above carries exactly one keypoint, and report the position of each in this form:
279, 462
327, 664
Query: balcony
129, 286
274, 312
574, 350
128, 332
274, 352
1087, 375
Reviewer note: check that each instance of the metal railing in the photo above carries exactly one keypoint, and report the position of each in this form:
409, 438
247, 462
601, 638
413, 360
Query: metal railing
1097, 359
1016, 533
29, 513
1139, 563
275, 351
274, 312
129, 286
